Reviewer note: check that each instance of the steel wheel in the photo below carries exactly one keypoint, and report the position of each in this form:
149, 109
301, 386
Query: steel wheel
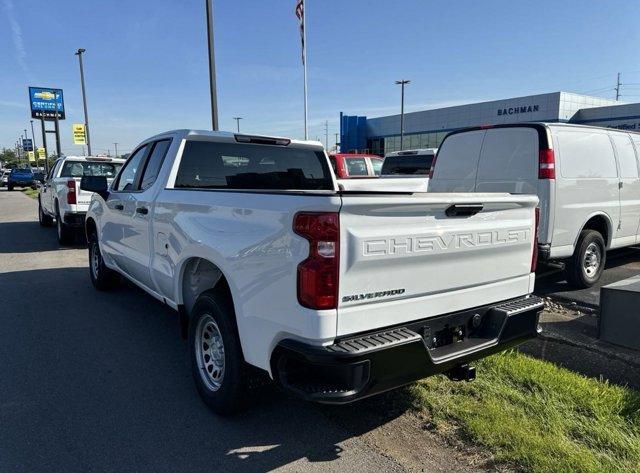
210, 352
592, 260
95, 260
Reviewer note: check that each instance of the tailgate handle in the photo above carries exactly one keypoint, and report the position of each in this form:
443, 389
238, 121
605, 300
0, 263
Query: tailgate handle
463, 210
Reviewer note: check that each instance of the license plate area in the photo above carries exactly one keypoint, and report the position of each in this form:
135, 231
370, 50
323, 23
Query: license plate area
451, 333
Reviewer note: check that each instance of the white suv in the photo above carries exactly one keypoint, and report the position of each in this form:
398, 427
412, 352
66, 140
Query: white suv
60, 197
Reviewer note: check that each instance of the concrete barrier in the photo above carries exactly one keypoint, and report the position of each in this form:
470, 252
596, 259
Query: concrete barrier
619, 321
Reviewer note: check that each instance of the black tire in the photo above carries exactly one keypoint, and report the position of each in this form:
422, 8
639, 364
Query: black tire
585, 267
65, 233
230, 395
102, 277
44, 219
10, 188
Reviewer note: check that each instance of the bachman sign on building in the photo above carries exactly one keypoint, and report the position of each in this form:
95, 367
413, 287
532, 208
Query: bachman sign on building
518, 110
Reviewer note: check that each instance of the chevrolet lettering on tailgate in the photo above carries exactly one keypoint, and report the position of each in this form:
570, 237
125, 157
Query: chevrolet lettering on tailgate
439, 243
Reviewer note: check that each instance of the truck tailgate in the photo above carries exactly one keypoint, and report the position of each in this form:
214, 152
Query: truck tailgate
412, 256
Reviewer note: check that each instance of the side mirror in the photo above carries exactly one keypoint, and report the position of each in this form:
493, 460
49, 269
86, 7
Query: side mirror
97, 184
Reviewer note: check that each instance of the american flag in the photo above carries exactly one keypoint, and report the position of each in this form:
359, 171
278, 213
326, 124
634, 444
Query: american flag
300, 15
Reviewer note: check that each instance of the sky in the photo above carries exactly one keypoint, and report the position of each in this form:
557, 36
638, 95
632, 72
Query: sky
146, 65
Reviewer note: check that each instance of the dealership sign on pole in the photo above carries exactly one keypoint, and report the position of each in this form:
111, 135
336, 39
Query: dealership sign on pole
45, 102
79, 134
32, 156
41, 153
27, 144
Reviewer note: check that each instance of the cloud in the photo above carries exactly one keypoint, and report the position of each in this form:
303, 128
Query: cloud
16, 36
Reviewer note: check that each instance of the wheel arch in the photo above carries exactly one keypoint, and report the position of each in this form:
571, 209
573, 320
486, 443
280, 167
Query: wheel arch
600, 222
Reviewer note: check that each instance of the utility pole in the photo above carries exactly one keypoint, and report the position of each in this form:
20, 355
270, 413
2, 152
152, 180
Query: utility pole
79, 53
212, 66
402, 83
33, 139
337, 134
618, 84
57, 126
116, 145
326, 134
237, 119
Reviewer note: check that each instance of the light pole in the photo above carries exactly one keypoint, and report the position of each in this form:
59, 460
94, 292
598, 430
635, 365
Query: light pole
116, 145
79, 53
237, 119
33, 138
402, 83
212, 66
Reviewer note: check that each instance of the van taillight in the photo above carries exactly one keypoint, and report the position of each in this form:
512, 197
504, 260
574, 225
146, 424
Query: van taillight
71, 192
318, 274
433, 166
546, 164
534, 256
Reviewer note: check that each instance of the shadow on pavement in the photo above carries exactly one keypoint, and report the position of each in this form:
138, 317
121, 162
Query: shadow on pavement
30, 237
621, 264
101, 381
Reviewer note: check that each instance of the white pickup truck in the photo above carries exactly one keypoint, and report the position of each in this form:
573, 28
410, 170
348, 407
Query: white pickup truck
336, 294
60, 196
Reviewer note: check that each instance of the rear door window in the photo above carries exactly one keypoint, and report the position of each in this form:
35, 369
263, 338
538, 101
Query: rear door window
213, 165
376, 165
87, 168
154, 163
509, 154
458, 156
357, 166
586, 154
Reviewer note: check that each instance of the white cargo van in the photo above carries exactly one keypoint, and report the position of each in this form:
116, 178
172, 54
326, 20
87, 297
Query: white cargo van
585, 177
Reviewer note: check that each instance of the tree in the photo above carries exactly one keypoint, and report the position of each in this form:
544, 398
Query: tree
9, 158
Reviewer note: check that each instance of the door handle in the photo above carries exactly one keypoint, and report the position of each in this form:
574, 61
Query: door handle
142, 210
119, 207
463, 210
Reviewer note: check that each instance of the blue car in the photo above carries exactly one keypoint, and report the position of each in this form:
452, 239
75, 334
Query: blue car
21, 178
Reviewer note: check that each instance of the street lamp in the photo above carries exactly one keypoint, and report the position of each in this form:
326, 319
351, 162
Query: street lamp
79, 53
237, 119
402, 83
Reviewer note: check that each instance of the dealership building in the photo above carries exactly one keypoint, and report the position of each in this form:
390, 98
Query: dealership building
427, 128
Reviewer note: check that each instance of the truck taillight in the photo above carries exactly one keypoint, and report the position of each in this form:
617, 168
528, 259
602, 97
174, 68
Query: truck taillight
534, 256
433, 166
546, 164
318, 274
71, 191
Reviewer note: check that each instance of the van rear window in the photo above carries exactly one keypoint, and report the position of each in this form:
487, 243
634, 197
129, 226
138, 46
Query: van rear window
212, 165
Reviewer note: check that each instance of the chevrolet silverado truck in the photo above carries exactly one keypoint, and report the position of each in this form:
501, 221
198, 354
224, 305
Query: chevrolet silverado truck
60, 198
275, 269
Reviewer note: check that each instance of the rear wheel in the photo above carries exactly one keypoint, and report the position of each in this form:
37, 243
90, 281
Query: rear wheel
10, 187
44, 219
585, 267
102, 277
217, 364
65, 233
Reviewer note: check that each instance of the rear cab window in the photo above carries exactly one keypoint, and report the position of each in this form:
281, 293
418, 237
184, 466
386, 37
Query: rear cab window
89, 168
223, 165
419, 164
357, 166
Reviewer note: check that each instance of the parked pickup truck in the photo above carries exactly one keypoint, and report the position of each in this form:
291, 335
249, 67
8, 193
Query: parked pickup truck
20, 178
337, 295
61, 199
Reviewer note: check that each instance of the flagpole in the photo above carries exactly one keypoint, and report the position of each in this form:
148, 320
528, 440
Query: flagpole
304, 53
